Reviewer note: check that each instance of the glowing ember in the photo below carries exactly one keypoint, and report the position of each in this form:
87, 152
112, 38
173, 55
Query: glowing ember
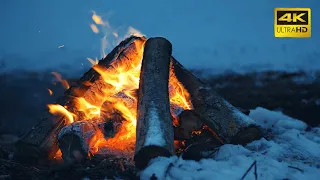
94, 28
122, 80
97, 19
58, 155
115, 34
50, 92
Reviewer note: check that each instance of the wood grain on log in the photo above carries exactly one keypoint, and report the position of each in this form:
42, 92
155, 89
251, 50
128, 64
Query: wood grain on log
75, 140
41, 140
231, 125
154, 122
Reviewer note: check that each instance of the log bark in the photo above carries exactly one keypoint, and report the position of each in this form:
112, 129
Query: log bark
41, 141
154, 122
231, 125
199, 145
76, 141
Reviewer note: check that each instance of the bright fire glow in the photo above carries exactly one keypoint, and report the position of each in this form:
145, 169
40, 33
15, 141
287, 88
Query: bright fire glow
121, 82
58, 109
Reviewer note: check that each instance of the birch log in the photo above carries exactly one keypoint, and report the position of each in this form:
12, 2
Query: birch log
154, 122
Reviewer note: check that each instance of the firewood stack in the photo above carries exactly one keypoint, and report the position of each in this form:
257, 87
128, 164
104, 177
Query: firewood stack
155, 133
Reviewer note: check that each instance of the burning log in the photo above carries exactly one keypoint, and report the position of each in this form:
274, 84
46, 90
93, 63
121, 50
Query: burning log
154, 122
231, 125
41, 141
75, 141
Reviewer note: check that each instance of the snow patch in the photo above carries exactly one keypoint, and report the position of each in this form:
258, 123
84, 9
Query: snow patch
269, 119
154, 134
287, 152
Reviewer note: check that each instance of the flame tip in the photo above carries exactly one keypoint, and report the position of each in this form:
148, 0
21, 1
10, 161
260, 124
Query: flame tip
118, 96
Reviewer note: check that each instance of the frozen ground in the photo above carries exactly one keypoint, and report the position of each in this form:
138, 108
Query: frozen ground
215, 34
288, 142
288, 151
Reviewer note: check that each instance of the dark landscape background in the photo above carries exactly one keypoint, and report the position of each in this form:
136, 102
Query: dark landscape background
245, 65
24, 94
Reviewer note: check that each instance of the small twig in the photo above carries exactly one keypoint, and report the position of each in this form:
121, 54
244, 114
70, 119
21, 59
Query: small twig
255, 171
171, 165
168, 169
188, 147
214, 134
296, 168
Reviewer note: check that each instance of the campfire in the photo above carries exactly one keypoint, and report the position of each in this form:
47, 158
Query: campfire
138, 102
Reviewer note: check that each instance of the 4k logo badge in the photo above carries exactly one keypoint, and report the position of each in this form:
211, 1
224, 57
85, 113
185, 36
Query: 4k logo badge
292, 22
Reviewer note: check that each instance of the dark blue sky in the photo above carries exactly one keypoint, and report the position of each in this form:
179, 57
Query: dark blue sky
216, 34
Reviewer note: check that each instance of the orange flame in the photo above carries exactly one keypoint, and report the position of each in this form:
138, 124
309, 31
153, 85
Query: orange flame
65, 83
121, 82
58, 109
90, 111
178, 94
123, 77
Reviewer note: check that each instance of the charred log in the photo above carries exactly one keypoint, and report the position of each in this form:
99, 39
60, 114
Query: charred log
200, 146
109, 128
189, 122
41, 141
110, 120
154, 122
230, 124
75, 141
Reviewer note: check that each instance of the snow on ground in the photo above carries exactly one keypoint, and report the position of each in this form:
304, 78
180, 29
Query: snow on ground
288, 151
218, 35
